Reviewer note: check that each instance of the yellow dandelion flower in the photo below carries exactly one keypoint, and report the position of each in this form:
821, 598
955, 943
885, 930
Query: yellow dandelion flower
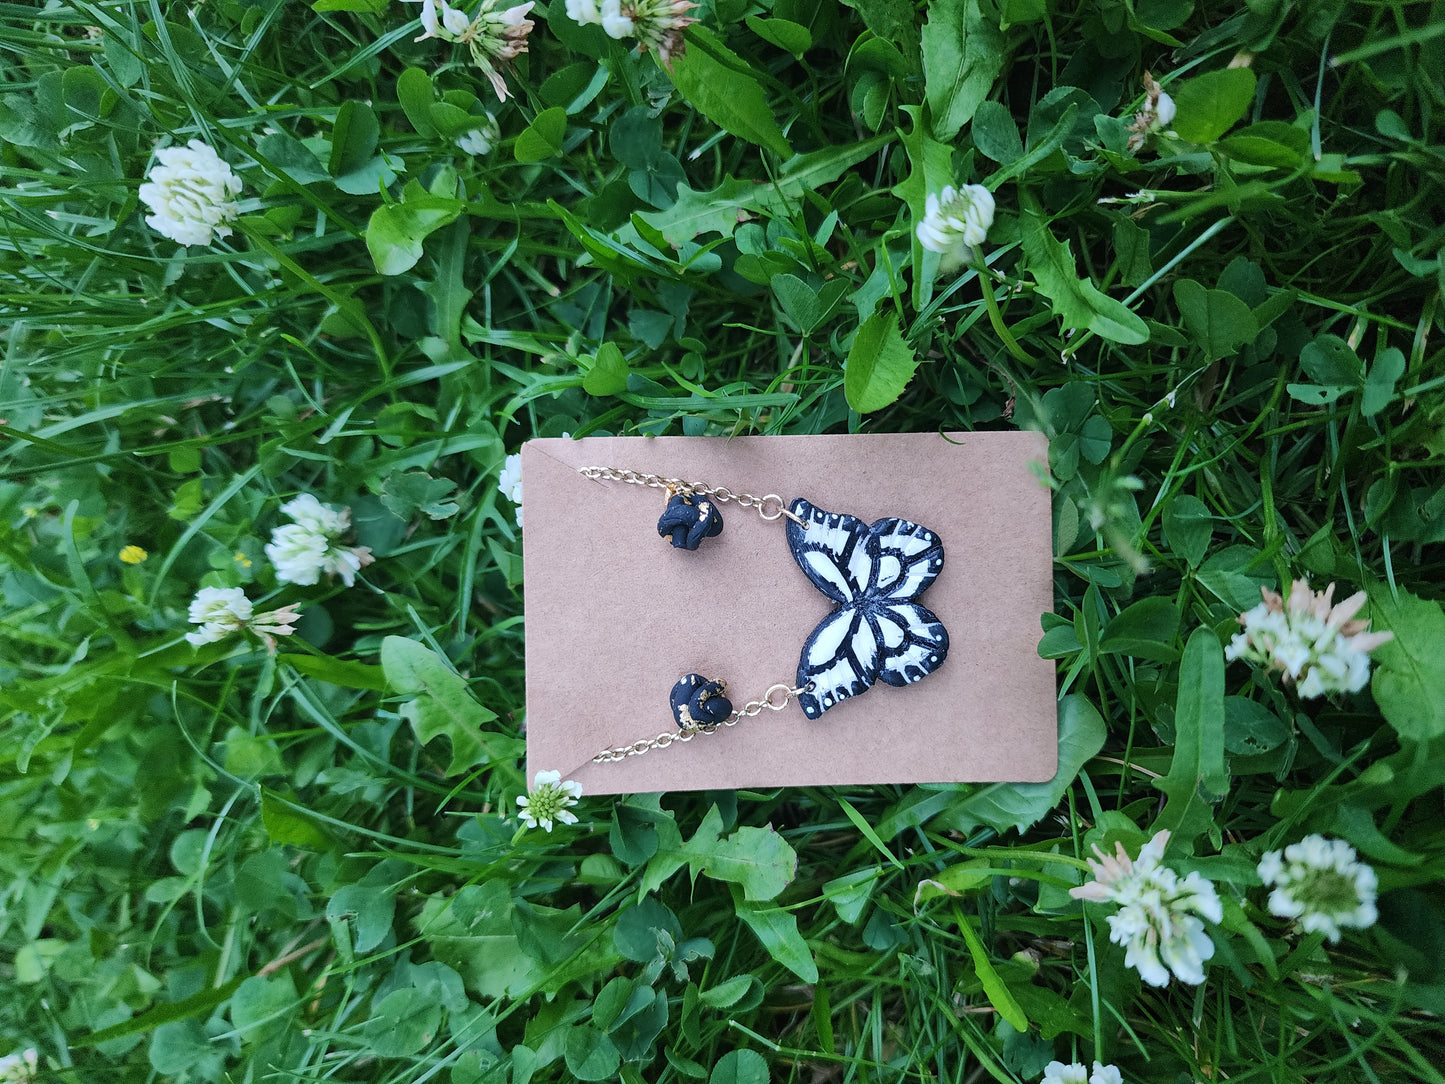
133, 555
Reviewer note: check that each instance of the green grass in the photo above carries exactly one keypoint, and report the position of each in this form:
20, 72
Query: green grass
223, 865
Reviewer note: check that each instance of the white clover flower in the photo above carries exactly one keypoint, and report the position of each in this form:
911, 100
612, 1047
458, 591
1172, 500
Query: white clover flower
1320, 882
19, 1066
658, 25
310, 547
494, 36
616, 24
1164, 110
219, 611
548, 801
1311, 642
310, 513
191, 192
1056, 1072
584, 12
955, 222
480, 140
1158, 921
509, 482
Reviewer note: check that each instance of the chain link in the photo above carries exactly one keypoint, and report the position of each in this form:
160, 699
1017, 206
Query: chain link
769, 507
749, 710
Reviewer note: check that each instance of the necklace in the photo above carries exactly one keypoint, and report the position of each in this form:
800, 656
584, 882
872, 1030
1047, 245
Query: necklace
873, 573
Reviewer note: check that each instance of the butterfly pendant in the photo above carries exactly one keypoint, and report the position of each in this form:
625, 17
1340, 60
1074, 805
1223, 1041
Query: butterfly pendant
878, 632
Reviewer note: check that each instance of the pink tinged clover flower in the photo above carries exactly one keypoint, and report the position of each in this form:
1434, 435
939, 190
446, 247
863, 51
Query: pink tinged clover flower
548, 801
1159, 917
309, 547
1320, 882
1319, 646
495, 36
191, 192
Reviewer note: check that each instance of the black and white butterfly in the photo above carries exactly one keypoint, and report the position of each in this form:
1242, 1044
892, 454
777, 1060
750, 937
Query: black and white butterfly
878, 632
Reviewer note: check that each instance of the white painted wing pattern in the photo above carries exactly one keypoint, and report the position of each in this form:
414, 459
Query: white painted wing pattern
878, 632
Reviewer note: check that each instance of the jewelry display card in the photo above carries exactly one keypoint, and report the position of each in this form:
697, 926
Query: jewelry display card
615, 616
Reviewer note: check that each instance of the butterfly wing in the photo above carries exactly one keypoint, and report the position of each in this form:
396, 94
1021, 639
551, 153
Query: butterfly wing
878, 633
833, 551
840, 659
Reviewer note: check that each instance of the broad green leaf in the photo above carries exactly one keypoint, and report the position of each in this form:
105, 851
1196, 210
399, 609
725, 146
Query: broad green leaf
809, 172
784, 33
405, 493
1250, 728
471, 932
728, 993
349, 675
403, 1024
543, 137
757, 859
1144, 629
608, 375
850, 893
590, 1054
995, 134
1328, 359
369, 909
1235, 575
880, 364
963, 54
183, 1047
1078, 303
1385, 372
291, 158
396, 230
1208, 105
1409, 678
720, 85
1197, 775
1334, 368
442, 704
1002, 806
778, 931
718, 210
1218, 321
1188, 527
261, 1006
354, 138
740, 1067
798, 300
893, 21
414, 91
285, 823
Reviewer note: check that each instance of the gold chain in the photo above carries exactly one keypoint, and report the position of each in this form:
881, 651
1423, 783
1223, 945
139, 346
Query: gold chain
769, 507
747, 711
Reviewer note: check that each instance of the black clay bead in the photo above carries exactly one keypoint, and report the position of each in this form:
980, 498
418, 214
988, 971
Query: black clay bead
688, 519
698, 702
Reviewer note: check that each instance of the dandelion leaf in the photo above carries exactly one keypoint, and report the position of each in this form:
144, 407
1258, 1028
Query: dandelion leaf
1409, 679
1197, 775
442, 706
